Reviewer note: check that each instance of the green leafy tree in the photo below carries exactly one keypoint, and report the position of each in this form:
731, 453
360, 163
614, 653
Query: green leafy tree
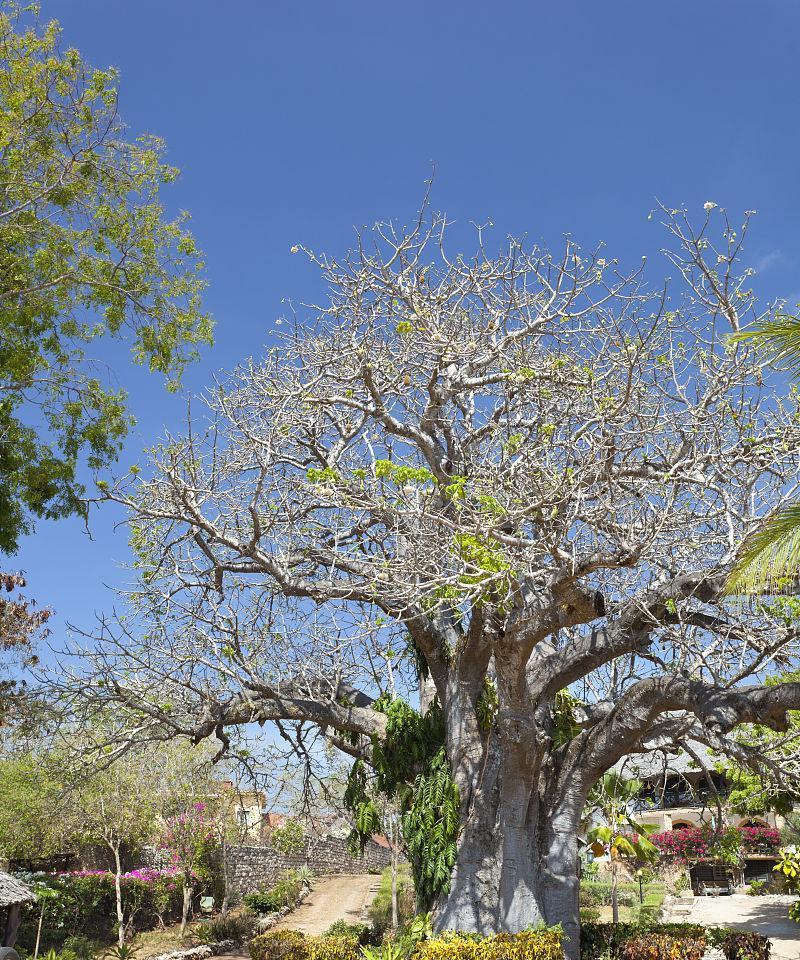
86, 251
755, 790
119, 809
36, 819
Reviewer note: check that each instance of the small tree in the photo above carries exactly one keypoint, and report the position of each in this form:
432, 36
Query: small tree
119, 808
622, 836
187, 835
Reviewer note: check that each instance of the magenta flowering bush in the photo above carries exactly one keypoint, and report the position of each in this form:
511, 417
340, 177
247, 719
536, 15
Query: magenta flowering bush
85, 904
695, 844
761, 838
189, 837
688, 845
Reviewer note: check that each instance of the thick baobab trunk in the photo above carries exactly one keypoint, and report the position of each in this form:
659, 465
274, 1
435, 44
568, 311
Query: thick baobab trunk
517, 862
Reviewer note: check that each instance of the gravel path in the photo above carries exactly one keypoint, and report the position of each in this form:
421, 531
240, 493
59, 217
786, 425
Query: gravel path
767, 915
332, 898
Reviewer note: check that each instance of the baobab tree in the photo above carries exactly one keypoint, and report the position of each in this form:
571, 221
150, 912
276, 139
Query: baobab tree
520, 480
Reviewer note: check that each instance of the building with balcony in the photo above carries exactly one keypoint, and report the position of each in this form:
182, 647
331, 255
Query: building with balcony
680, 794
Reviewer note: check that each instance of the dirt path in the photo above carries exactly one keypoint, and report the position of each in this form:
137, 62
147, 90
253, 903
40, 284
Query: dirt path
331, 899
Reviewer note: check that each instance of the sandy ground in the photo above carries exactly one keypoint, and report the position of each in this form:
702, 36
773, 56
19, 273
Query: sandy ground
767, 915
332, 898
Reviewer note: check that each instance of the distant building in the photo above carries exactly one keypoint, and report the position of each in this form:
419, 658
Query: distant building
678, 794
247, 807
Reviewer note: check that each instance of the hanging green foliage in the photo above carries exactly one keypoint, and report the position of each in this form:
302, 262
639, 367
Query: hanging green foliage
410, 764
430, 829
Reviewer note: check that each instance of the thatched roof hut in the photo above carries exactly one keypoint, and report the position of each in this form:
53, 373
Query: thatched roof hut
13, 891
14, 894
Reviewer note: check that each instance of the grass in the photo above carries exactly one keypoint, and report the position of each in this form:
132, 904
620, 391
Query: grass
380, 912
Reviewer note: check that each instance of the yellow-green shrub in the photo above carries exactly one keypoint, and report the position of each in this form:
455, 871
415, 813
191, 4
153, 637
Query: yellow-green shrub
293, 945
333, 948
529, 945
279, 945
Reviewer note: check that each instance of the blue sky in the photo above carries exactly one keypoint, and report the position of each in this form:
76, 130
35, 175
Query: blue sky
296, 121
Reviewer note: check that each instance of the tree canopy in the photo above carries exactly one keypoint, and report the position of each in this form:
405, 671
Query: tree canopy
472, 522
86, 251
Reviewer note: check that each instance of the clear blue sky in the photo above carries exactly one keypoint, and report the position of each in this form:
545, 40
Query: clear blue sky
296, 121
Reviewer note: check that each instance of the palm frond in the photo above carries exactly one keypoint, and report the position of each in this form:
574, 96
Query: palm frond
769, 560
779, 337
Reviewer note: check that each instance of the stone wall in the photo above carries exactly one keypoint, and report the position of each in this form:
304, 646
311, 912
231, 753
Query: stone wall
253, 868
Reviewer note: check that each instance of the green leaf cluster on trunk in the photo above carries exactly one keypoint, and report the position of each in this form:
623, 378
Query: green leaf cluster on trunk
411, 765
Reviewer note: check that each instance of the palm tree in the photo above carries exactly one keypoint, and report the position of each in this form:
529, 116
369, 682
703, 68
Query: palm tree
769, 558
624, 838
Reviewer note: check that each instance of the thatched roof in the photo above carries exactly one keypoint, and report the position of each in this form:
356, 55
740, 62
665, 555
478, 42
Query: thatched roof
14, 891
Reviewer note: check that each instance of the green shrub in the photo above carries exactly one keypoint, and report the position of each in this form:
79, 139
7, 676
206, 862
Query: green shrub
529, 945
741, 945
290, 838
380, 911
391, 950
362, 932
293, 945
83, 909
589, 871
259, 902
590, 914
662, 946
683, 883
279, 945
333, 948
607, 939
80, 947
239, 929
757, 888
597, 893
285, 893
648, 911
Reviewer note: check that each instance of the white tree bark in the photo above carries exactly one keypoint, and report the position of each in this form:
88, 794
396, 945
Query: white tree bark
518, 480
118, 894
